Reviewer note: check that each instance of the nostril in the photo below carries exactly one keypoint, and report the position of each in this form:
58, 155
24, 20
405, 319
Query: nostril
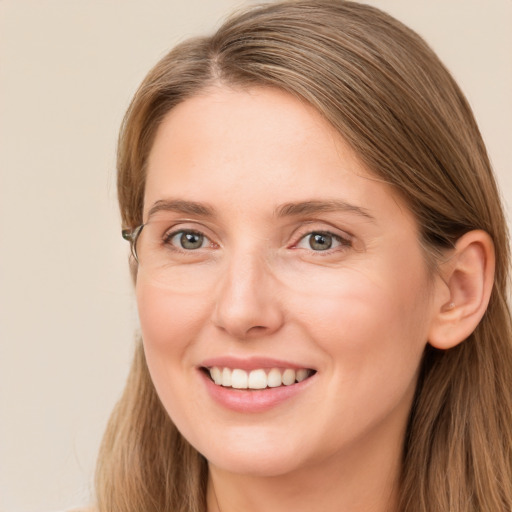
257, 328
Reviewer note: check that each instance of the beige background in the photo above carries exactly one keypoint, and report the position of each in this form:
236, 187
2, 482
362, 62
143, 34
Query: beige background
67, 71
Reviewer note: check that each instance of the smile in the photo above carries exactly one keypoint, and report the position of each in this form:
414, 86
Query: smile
260, 378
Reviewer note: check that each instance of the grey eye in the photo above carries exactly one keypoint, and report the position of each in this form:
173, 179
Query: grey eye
320, 241
189, 240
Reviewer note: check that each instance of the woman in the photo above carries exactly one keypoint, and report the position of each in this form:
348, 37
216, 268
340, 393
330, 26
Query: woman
320, 261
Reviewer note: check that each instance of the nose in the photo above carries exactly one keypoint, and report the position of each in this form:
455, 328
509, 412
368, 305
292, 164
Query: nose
248, 300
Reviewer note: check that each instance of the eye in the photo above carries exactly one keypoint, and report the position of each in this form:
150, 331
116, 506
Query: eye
322, 241
188, 240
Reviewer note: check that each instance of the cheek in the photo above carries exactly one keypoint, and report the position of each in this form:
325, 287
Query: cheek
165, 315
374, 338
154, 314
371, 324
350, 303
170, 323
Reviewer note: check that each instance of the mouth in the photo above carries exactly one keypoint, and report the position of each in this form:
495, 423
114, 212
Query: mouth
257, 379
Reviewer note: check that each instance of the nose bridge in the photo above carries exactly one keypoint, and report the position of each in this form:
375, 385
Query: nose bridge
247, 300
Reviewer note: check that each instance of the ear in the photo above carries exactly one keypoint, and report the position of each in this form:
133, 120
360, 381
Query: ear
464, 290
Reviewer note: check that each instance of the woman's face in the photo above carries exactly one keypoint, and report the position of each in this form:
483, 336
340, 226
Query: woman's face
274, 251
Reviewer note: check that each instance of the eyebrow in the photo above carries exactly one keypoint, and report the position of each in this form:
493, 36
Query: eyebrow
183, 207
313, 207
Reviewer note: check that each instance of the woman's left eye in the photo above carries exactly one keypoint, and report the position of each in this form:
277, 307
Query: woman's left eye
322, 241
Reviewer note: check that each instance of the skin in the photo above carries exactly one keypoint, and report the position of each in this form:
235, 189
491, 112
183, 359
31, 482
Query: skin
359, 313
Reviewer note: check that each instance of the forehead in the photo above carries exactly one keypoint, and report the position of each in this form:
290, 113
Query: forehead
257, 148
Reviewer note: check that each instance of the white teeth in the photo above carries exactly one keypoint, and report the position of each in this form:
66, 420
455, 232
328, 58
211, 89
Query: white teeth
288, 377
274, 378
239, 379
301, 374
257, 379
226, 377
216, 375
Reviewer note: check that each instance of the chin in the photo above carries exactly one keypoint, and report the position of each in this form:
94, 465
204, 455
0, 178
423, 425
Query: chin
256, 457
264, 465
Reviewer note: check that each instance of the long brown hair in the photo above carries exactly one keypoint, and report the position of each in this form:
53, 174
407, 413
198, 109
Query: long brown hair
389, 96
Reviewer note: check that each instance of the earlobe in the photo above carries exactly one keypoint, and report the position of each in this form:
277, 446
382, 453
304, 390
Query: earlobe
467, 278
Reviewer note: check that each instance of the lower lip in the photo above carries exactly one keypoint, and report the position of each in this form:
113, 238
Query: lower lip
253, 400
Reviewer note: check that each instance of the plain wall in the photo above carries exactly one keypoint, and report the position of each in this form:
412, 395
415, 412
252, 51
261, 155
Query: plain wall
67, 71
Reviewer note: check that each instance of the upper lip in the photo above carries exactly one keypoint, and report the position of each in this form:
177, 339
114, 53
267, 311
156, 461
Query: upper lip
251, 363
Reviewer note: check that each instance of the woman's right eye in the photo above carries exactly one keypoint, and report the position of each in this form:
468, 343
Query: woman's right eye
188, 240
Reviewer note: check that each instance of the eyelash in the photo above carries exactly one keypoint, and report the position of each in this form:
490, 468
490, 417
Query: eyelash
343, 242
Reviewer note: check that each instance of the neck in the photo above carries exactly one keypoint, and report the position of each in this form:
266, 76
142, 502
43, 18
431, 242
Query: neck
365, 479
